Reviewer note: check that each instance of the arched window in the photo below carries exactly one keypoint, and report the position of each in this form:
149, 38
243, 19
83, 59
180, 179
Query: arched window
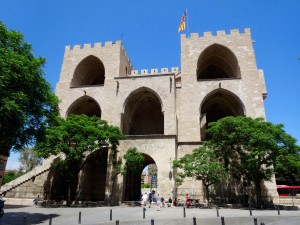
216, 105
216, 62
85, 105
143, 114
90, 71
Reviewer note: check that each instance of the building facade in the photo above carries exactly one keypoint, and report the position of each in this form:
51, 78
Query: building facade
163, 112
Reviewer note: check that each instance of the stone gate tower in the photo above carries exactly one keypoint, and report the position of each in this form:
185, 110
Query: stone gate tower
163, 112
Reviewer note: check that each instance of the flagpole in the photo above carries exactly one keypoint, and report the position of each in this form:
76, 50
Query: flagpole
187, 24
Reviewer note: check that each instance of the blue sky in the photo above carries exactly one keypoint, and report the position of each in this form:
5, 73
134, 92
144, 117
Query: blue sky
148, 30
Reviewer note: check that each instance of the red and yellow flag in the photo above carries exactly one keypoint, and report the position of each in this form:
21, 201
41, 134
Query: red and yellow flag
182, 22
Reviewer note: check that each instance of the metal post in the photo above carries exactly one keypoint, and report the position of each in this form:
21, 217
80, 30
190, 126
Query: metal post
194, 221
50, 221
117, 222
144, 210
152, 221
278, 210
25, 220
250, 210
110, 215
79, 218
217, 211
255, 221
222, 220
184, 212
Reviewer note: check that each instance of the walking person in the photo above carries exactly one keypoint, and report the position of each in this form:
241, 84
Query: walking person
144, 200
150, 199
158, 202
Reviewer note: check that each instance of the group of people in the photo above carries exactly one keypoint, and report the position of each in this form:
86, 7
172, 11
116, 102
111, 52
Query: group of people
153, 198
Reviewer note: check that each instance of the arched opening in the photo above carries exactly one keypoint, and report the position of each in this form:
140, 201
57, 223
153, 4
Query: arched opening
217, 62
85, 105
143, 114
133, 181
92, 181
90, 71
216, 105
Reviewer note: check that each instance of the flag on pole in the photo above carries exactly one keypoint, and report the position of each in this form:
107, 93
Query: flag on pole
182, 22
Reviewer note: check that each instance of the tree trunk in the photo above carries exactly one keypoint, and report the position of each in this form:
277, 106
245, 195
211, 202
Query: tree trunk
112, 188
3, 161
258, 193
207, 194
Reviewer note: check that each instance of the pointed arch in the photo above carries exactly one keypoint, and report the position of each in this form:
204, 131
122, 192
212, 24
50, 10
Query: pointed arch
85, 105
218, 104
132, 187
143, 113
90, 71
217, 61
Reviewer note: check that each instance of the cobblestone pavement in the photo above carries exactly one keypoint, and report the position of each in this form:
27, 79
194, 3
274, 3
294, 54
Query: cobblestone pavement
134, 216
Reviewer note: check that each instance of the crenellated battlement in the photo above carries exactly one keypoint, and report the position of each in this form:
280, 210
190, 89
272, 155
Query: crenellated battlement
109, 45
174, 70
220, 33
97, 45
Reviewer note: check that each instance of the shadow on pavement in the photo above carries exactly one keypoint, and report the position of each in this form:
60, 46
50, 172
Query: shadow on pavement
18, 218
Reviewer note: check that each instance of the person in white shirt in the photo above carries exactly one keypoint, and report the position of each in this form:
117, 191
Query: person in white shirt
144, 200
158, 202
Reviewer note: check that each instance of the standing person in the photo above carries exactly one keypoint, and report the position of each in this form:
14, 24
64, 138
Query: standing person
150, 199
36, 200
158, 202
144, 200
187, 197
162, 201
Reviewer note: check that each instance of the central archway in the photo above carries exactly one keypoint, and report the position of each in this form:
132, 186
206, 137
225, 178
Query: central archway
132, 191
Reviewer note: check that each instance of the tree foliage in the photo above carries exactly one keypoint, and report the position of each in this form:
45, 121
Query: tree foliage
134, 161
29, 160
76, 137
202, 165
250, 148
27, 104
10, 175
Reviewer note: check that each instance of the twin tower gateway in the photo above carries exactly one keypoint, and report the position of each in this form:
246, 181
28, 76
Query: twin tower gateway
162, 112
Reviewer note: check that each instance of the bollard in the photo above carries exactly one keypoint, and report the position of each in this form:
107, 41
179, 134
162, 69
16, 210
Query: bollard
152, 221
79, 218
278, 210
194, 221
217, 211
222, 220
255, 221
117, 222
184, 212
144, 210
250, 211
110, 215
50, 221
25, 220
262, 223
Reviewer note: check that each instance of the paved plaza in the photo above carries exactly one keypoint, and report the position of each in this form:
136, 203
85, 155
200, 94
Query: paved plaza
14, 215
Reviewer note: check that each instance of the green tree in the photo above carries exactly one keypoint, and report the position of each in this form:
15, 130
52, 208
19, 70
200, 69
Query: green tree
29, 160
250, 148
10, 175
287, 169
27, 104
202, 165
75, 137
